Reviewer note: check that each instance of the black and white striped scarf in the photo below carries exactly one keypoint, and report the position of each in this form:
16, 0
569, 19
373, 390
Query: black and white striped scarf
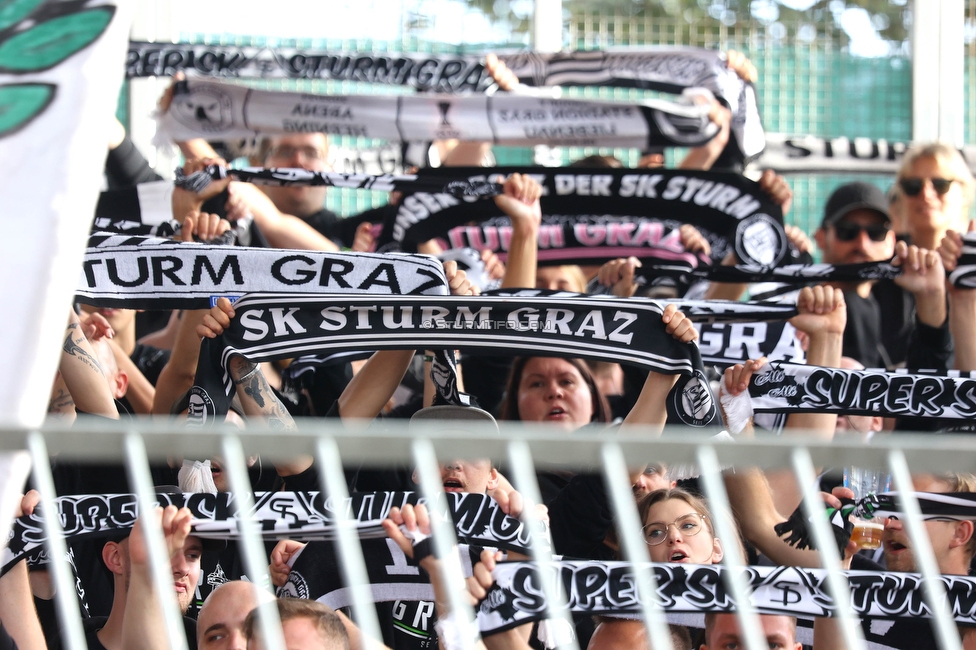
136, 272
964, 275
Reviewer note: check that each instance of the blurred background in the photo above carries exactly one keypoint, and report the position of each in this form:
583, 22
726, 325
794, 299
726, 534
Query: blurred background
828, 68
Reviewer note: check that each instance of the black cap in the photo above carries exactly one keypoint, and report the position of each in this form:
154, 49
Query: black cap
854, 196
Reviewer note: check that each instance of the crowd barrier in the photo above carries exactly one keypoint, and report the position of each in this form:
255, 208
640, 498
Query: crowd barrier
522, 449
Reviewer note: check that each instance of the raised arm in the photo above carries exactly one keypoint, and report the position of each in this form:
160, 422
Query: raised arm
18, 617
962, 304
650, 408
521, 203
82, 373
822, 317
143, 626
177, 375
282, 230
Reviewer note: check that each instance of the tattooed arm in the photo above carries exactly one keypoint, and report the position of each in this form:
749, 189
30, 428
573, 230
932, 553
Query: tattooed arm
260, 402
61, 403
82, 373
257, 398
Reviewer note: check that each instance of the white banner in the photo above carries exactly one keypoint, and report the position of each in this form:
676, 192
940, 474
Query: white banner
61, 66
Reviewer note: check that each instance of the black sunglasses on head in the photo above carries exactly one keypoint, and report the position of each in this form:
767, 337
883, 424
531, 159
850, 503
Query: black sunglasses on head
851, 231
913, 186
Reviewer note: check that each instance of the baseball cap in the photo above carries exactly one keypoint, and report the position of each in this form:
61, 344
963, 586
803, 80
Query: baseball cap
454, 413
854, 196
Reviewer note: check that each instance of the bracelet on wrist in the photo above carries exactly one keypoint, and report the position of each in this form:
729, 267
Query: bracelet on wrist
250, 373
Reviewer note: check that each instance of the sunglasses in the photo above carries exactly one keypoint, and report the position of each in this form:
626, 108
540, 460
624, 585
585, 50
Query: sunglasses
913, 186
851, 231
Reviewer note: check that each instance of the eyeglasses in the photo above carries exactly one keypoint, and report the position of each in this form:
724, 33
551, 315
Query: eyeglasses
288, 151
913, 186
851, 231
689, 526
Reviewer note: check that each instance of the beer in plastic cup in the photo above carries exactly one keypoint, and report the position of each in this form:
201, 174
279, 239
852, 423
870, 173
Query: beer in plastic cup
867, 533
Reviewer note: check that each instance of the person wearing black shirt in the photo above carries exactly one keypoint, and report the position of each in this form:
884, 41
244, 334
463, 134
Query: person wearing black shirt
888, 323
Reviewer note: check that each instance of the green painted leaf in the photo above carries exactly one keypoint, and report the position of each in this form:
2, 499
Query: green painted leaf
21, 103
13, 11
48, 43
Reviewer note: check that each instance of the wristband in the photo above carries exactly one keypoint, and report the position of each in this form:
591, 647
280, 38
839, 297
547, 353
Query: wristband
250, 373
454, 631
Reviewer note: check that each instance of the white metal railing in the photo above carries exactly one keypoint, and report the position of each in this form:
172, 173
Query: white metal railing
523, 449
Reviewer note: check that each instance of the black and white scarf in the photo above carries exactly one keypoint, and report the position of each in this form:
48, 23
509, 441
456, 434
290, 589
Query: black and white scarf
664, 69
282, 515
599, 214
964, 275
933, 505
843, 155
274, 326
214, 110
726, 344
282, 177
607, 588
136, 272
786, 387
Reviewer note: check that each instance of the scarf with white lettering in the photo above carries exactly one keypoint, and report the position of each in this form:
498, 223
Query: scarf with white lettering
597, 214
664, 69
135, 272
607, 588
276, 326
215, 110
730, 332
532, 321
786, 387
303, 516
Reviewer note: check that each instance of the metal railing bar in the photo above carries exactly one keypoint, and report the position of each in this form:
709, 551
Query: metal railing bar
929, 453
718, 501
350, 552
444, 538
943, 625
830, 559
250, 544
65, 596
523, 474
634, 546
137, 465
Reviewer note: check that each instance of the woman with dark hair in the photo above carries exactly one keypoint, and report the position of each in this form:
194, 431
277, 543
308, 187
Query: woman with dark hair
551, 389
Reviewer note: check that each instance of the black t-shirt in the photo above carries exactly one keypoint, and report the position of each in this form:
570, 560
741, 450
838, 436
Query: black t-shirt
862, 336
327, 223
150, 361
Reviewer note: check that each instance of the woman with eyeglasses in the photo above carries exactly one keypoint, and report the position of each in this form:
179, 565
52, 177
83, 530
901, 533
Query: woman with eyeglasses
937, 188
677, 528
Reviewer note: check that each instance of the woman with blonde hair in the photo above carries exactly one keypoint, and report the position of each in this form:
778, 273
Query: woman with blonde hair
938, 188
